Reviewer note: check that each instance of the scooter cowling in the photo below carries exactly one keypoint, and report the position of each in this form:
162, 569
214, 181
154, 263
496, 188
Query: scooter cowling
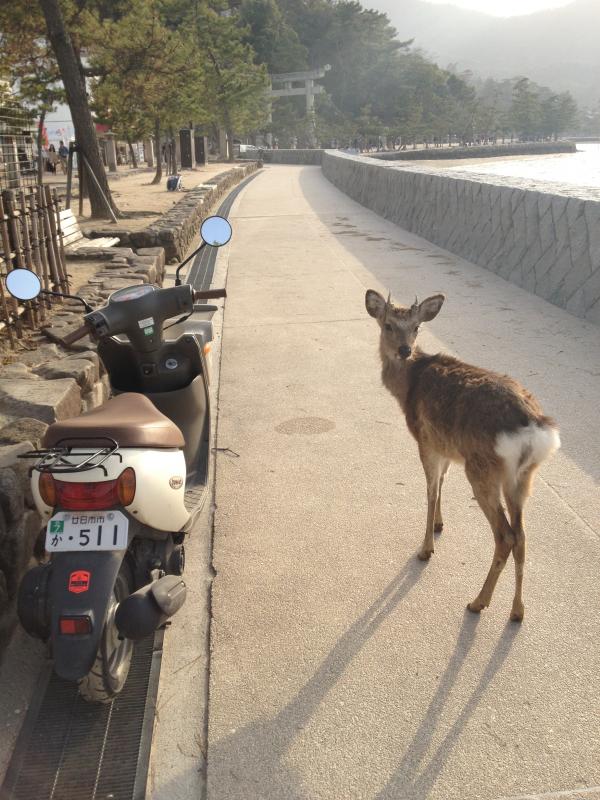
144, 611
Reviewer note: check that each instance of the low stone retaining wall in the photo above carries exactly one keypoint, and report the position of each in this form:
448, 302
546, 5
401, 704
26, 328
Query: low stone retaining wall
176, 229
546, 241
483, 151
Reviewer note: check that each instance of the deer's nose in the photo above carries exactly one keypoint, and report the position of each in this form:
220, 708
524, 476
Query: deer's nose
404, 351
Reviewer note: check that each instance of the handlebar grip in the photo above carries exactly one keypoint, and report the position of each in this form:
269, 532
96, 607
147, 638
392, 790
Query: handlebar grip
210, 294
76, 335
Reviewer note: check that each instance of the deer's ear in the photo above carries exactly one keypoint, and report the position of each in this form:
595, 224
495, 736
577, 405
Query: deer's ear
374, 303
430, 307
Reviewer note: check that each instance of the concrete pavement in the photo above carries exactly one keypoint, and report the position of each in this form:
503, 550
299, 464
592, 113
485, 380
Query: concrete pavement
341, 666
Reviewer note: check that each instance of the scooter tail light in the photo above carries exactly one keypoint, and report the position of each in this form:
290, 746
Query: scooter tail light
126, 486
47, 489
95, 496
75, 626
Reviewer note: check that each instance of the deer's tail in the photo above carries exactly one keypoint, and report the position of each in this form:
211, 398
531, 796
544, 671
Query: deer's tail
526, 448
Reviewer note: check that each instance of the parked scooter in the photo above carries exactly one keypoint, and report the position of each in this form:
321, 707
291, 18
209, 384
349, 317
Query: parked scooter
120, 487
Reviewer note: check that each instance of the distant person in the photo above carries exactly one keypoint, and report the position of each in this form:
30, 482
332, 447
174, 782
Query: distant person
63, 154
52, 159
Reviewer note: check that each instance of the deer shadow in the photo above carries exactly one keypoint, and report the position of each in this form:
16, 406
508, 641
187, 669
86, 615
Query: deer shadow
412, 779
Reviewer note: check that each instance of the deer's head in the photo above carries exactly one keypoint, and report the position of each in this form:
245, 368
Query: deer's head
400, 324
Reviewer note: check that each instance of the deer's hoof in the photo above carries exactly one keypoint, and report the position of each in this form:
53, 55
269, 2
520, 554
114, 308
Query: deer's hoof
438, 527
517, 614
476, 606
424, 555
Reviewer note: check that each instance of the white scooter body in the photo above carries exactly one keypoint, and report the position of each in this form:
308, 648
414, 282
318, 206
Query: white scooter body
160, 485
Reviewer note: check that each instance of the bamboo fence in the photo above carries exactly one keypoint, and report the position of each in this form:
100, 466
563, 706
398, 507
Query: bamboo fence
30, 238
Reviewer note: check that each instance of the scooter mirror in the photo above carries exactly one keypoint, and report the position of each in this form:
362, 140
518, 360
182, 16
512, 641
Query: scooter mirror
216, 231
23, 284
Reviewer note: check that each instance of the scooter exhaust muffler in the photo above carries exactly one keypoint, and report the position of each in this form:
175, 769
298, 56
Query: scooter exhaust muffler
144, 611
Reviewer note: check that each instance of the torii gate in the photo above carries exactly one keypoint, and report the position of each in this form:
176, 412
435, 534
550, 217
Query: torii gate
298, 83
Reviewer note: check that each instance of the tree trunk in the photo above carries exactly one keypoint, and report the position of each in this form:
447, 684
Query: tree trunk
131, 151
229, 134
40, 163
158, 174
172, 161
74, 83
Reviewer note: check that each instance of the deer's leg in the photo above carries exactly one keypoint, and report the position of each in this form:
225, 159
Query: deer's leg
438, 523
486, 488
515, 501
432, 465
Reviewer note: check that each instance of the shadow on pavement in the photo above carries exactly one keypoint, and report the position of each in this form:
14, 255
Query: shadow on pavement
258, 750
412, 781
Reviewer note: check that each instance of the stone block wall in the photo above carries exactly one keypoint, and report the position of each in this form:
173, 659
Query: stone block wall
176, 229
545, 238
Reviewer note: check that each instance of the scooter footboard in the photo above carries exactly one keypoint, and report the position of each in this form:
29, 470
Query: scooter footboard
81, 585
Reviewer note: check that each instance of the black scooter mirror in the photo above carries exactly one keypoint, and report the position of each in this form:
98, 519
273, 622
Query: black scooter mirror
23, 284
216, 231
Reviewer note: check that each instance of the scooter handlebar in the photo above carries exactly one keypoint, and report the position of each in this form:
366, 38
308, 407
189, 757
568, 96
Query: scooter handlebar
210, 294
76, 335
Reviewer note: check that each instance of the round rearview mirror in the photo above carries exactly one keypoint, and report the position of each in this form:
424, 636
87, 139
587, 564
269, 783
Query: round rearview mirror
216, 231
23, 284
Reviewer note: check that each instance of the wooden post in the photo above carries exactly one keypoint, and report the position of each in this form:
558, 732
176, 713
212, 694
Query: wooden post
36, 215
69, 175
6, 316
56, 204
37, 257
60, 264
8, 257
90, 174
48, 241
27, 255
13, 215
81, 168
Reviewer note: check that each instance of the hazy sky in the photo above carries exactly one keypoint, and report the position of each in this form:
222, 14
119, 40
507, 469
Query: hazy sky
505, 8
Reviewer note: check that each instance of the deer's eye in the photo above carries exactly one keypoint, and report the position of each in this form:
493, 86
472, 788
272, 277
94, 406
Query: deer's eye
387, 326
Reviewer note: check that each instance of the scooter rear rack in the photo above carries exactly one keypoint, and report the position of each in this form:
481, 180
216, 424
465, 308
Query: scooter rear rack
56, 459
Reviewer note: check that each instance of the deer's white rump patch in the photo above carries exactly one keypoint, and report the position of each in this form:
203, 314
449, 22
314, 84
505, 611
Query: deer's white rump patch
528, 446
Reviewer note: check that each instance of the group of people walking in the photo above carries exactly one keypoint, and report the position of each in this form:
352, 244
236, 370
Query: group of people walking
52, 157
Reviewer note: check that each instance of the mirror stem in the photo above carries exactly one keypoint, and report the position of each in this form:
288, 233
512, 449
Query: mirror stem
86, 305
183, 263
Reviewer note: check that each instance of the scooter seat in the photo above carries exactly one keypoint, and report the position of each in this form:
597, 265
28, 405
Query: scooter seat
132, 420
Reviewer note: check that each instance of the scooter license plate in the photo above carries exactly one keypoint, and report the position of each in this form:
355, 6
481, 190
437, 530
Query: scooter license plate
87, 530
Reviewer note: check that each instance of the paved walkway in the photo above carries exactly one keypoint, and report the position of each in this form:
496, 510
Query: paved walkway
342, 667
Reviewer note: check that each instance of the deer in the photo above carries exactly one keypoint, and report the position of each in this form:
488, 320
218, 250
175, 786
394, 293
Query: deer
460, 413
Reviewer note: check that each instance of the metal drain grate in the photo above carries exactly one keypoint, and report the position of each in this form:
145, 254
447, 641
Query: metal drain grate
203, 266
71, 749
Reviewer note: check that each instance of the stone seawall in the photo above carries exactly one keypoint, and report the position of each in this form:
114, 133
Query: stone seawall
313, 157
546, 241
483, 151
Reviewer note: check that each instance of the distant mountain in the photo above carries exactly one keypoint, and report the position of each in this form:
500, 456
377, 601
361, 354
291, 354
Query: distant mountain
558, 47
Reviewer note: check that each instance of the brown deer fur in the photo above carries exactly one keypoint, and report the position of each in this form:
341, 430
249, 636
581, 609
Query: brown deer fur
458, 412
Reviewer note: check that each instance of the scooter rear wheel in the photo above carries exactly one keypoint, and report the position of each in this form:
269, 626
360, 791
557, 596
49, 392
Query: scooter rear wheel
110, 669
